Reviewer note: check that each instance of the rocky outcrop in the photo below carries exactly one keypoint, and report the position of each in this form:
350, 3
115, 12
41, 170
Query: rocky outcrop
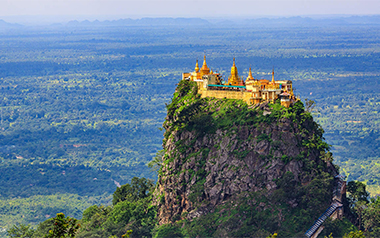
211, 164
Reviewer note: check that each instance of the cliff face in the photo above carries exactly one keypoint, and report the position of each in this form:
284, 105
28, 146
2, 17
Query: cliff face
248, 171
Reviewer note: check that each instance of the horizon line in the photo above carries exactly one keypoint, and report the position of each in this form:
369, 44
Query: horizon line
54, 19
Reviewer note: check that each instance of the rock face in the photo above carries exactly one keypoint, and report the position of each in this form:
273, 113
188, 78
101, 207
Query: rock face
218, 151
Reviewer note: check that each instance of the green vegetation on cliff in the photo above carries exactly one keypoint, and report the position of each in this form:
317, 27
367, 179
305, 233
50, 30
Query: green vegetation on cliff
290, 146
224, 167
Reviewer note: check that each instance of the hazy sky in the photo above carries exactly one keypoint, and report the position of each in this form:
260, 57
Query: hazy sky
186, 8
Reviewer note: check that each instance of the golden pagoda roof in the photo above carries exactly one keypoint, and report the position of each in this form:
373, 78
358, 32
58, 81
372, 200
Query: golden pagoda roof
234, 77
234, 71
204, 69
250, 74
204, 66
196, 67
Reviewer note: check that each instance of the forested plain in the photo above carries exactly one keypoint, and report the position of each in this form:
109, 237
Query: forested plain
82, 106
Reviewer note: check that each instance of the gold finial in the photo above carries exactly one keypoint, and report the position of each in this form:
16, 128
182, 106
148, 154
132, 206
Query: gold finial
250, 73
234, 76
233, 68
204, 70
196, 67
204, 62
273, 75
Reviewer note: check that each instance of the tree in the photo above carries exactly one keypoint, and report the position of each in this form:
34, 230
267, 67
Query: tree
138, 189
309, 105
354, 234
167, 230
43, 228
326, 156
357, 192
156, 163
93, 223
337, 227
359, 208
21, 230
63, 226
371, 217
274, 235
358, 200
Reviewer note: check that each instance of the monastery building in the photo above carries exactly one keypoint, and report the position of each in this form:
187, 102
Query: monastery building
252, 91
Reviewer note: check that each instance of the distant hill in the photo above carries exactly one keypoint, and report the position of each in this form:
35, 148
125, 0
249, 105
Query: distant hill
283, 21
182, 21
4, 24
142, 22
363, 20
308, 21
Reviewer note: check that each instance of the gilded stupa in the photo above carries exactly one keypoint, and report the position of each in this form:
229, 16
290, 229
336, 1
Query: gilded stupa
233, 79
204, 70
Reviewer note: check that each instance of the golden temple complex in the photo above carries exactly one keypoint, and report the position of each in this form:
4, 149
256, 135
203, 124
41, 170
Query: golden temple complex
251, 90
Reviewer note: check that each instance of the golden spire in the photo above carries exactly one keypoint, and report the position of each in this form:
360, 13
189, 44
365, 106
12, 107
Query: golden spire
250, 74
204, 70
234, 70
273, 75
234, 77
196, 67
204, 66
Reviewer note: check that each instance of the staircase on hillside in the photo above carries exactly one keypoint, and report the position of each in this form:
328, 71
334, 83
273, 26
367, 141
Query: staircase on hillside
318, 223
338, 190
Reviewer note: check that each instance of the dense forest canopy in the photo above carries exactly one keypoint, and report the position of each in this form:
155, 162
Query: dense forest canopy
81, 106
